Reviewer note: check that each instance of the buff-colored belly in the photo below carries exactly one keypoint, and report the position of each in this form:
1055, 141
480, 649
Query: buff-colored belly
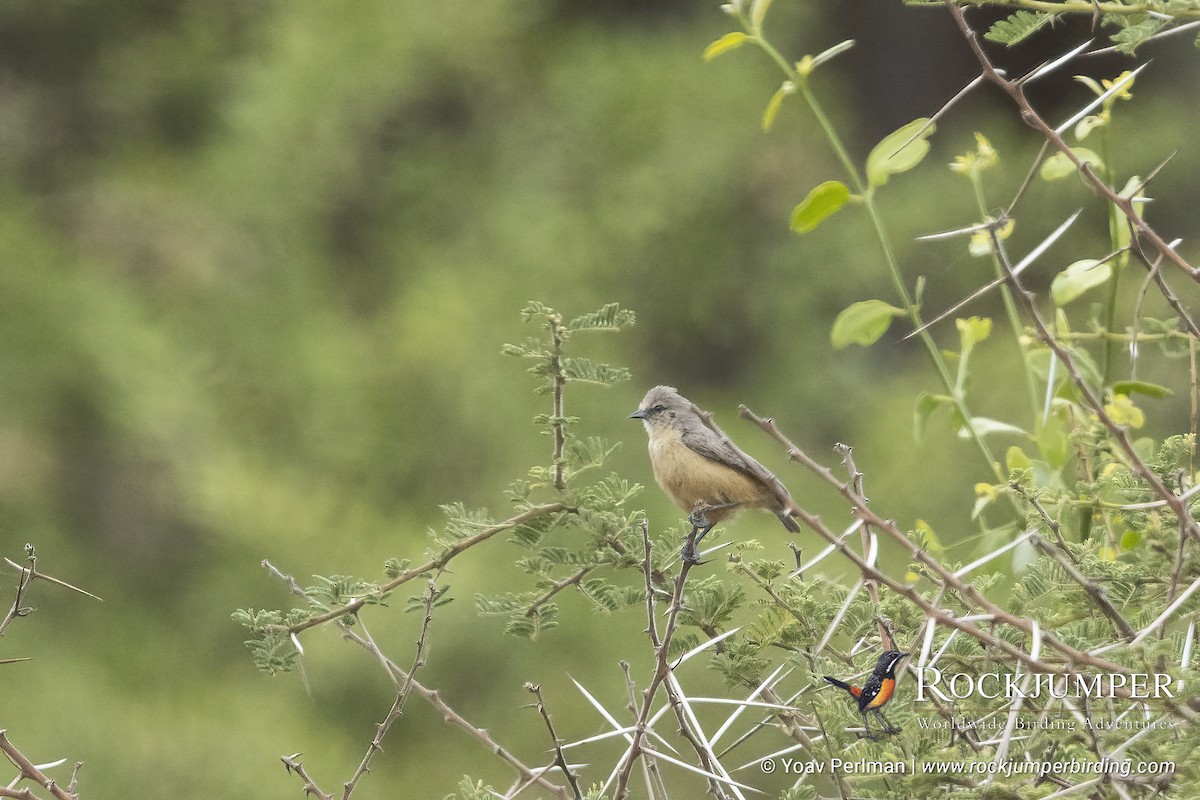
690, 478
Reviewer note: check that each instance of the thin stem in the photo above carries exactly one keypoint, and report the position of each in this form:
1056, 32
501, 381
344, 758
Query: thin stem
867, 196
560, 383
1010, 306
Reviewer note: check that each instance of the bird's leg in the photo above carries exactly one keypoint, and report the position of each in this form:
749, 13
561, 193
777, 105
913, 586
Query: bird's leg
867, 728
698, 518
887, 726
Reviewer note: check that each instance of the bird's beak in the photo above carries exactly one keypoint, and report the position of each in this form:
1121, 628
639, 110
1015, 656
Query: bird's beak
639, 414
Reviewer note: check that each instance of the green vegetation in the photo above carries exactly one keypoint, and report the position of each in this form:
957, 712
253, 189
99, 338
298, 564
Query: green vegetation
262, 261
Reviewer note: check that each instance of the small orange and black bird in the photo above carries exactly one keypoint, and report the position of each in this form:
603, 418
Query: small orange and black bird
877, 692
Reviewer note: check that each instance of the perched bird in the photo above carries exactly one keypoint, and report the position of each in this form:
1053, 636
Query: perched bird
877, 692
699, 468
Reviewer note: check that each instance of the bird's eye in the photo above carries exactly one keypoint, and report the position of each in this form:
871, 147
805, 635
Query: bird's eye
659, 407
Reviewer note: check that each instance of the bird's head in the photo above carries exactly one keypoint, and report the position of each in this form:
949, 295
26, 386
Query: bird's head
662, 407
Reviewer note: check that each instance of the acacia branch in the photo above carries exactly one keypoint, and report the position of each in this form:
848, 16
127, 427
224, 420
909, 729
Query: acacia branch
964, 589
436, 564
1014, 90
397, 708
30, 772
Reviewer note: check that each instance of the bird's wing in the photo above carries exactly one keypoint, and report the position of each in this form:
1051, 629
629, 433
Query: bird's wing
712, 443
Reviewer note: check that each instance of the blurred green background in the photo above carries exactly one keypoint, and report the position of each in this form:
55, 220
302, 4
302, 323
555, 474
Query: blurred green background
259, 262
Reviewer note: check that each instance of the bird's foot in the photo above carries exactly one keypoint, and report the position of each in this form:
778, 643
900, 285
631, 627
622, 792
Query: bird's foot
698, 518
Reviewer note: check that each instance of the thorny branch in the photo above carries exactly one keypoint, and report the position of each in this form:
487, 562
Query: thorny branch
662, 671
405, 678
1014, 89
1072, 656
434, 565
560, 760
31, 773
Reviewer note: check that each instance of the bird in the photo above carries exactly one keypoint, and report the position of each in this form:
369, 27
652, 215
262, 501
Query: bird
704, 472
877, 691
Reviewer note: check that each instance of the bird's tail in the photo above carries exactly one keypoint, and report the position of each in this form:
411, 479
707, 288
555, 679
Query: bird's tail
839, 684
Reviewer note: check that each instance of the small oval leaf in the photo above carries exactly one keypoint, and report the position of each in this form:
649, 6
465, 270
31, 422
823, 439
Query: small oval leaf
1059, 166
863, 323
1142, 387
824, 200
830, 53
773, 105
730, 41
893, 155
1076, 279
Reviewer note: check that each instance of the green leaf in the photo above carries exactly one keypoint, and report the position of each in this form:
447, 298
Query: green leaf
972, 331
863, 323
1128, 39
1059, 166
730, 41
927, 404
1142, 387
1017, 27
1130, 539
893, 156
1087, 273
1053, 444
773, 105
823, 201
983, 426
609, 317
758, 10
829, 53
1015, 459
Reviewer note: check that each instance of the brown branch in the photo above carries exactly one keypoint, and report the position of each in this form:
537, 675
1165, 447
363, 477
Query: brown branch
662, 670
31, 772
964, 589
436, 564
376, 745
431, 696
452, 717
292, 764
1015, 90
559, 758
1091, 587
856, 483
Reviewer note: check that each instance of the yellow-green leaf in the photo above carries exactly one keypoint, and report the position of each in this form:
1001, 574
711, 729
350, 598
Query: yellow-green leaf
973, 330
773, 105
1087, 273
1059, 166
730, 41
1142, 387
863, 323
825, 199
1015, 459
1124, 412
892, 156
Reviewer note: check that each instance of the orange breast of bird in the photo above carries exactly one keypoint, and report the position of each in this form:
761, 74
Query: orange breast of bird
885, 693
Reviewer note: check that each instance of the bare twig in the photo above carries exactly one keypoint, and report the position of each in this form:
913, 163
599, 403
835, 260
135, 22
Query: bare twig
1015, 91
558, 422
1073, 656
402, 677
397, 708
560, 760
32, 773
27, 575
436, 564
1089, 586
661, 643
292, 764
